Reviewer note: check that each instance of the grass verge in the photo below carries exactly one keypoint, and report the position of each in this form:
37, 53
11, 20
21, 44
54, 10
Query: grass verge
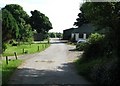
100, 71
84, 68
28, 49
8, 69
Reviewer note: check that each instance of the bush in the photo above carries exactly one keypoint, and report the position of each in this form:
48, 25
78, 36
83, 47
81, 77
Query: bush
81, 46
103, 72
95, 38
95, 46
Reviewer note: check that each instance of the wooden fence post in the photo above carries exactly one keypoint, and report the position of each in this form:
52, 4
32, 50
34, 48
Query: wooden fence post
15, 55
38, 48
23, 50
6, 60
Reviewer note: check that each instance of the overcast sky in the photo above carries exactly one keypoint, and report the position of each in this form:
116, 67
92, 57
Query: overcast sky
62, 13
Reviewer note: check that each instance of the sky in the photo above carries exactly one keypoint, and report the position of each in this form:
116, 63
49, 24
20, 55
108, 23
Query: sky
61, 13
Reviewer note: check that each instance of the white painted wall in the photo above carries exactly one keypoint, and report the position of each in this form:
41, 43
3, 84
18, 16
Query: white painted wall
72, 35
84, 36
76, 36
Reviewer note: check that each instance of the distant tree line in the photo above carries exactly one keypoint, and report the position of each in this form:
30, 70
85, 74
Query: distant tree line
55, 35
18, 25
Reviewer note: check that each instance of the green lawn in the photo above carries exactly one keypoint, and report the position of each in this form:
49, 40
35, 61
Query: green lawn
27, 47
7, 70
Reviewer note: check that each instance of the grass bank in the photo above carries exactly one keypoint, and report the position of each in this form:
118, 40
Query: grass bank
28, 48
100, 71
8, 69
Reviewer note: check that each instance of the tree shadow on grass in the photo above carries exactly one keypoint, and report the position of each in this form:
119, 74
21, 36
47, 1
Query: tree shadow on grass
64, 74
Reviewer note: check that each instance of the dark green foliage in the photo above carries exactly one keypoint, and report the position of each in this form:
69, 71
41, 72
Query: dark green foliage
58, 35
80, 20
94, 47
18, 13
100, 71
81, 46
52, 35
22, 20
101, 59
55, 35
40, 22
9, 26
105, 15
95, 38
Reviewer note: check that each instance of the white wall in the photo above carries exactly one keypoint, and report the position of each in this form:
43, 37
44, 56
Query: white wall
76, 36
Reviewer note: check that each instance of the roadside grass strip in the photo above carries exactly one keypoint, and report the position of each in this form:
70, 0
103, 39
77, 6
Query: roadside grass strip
25, 49
8, 69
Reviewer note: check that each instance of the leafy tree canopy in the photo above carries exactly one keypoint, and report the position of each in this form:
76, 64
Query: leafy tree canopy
40, 22
22, 19
9, 26
17, 12
105, 15
80, 20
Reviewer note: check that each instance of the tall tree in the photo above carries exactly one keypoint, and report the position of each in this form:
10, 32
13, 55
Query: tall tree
80, 20
9, 26
17, 12
22, 19
40, 22
105, 15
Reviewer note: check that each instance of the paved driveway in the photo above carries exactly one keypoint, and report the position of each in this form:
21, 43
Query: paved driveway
52, 66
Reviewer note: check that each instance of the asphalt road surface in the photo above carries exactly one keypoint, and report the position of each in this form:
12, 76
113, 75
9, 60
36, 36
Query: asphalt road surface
51, 66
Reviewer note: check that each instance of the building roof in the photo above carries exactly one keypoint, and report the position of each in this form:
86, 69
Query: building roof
69, 29
85, 28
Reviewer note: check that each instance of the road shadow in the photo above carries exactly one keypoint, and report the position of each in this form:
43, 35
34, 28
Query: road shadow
63, 75
57, 42
73, 49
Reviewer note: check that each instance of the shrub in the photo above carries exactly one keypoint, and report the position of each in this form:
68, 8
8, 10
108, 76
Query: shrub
103, 72
95, 38
81, 46
95, 46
